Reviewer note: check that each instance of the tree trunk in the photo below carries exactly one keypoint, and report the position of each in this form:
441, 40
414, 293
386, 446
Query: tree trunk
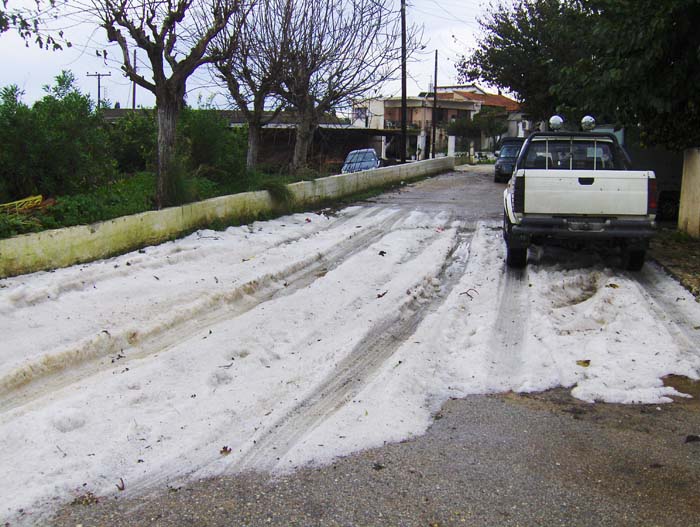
168, 112
305, 133
254, 130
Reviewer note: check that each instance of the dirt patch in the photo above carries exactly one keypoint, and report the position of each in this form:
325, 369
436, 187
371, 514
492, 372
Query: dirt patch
673, 421
686, 386
679, 254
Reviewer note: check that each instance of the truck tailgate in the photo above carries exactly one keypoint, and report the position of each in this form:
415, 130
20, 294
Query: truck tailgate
586, 192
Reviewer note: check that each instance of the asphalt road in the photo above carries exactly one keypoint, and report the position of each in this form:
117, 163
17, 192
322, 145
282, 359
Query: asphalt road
502, 460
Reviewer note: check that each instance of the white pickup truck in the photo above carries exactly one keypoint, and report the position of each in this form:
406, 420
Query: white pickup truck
577, 187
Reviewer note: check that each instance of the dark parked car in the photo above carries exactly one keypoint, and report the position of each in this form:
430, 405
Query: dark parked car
507, 156
357, 160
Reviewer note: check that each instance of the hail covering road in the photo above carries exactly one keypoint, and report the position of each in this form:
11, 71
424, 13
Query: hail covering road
294, 341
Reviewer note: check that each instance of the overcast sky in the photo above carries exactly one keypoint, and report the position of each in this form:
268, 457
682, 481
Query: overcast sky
449, 27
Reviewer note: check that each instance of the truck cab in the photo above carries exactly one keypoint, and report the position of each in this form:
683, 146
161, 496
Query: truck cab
578, 186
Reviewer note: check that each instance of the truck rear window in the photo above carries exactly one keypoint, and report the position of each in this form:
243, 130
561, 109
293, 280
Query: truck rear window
573, 155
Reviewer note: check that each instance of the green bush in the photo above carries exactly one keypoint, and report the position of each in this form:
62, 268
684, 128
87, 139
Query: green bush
17, 134
134, 140
212, 148
70, 151
186, 187
14, 224
59, 146
128, 196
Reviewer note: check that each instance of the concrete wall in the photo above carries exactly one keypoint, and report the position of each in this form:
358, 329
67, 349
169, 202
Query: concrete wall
84, 243
689, 213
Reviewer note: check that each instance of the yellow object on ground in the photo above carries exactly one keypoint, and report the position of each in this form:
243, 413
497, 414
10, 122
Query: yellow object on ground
23, 204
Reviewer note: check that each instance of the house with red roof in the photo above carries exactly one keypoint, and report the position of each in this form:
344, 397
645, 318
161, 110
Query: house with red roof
453, 103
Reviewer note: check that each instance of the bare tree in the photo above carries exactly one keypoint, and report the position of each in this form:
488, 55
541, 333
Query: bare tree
29, 23
339, 50
176, 36
251, 64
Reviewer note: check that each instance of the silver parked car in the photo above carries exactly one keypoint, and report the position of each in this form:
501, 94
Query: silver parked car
357, 160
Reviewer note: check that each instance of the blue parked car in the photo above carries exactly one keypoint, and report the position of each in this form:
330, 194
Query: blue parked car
357, 160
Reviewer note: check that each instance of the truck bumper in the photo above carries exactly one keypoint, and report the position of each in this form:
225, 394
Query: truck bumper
631, 232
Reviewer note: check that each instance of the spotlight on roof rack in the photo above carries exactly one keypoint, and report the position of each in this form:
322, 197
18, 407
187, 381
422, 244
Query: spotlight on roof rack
587, 123
555, 122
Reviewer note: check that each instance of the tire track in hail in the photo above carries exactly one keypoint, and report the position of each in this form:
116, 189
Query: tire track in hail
166, 255
508, 332
353, 372
145, 485
667, 311
16, 390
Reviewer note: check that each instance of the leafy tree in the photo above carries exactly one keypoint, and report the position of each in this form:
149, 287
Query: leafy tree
210, 147
17, 133
630, 62
59, 146
523, 48
490, 121
133, 140
643, 67
71, 149
465, 127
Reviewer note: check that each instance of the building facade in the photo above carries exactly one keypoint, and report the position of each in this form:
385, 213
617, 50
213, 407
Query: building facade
453, 103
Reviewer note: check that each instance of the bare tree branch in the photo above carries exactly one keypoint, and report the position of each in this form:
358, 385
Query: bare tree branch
252, 54
339, 50
177, 37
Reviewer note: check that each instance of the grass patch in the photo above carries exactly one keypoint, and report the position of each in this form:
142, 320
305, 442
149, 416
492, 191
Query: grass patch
280, 193
121, 198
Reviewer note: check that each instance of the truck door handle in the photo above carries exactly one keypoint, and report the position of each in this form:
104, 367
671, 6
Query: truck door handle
586, 180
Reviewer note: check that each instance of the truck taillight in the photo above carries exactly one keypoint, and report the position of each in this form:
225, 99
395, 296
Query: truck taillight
651, 196
519, 194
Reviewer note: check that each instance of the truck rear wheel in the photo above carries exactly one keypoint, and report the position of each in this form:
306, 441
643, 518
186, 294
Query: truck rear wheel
516, 258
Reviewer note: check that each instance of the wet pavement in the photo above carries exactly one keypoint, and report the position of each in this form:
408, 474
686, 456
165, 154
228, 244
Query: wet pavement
537, 460
468, 194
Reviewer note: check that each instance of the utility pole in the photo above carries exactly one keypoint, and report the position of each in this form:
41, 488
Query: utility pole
402, 144
99, 84
133, 89
432, 147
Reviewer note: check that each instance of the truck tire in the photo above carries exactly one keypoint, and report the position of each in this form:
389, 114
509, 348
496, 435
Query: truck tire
633, 260
516, 258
